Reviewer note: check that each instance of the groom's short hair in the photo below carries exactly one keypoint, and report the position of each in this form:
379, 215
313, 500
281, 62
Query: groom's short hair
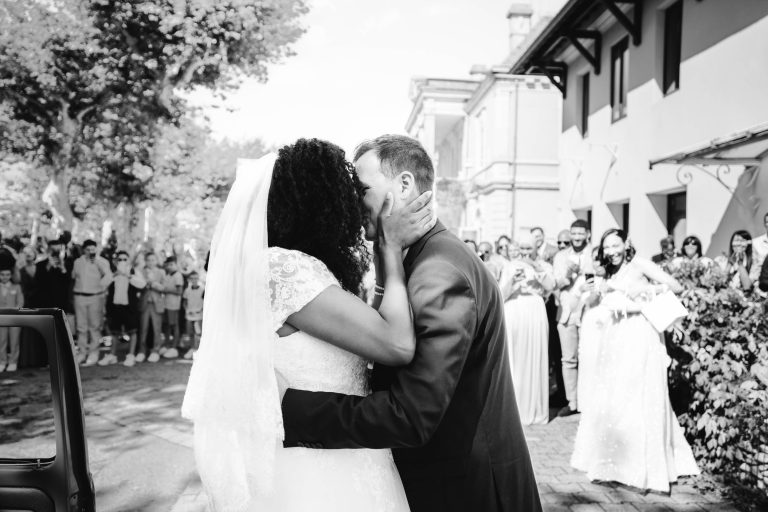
398, 153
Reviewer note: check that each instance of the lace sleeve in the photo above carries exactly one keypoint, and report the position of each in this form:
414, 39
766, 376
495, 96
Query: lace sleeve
295, 279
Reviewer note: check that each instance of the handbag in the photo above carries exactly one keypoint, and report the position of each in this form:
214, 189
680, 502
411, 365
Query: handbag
664, 310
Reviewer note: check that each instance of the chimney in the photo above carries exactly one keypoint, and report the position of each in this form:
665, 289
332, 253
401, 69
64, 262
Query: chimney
519, 16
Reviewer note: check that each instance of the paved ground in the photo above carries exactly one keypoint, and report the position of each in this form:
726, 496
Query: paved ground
141, 456
562, 488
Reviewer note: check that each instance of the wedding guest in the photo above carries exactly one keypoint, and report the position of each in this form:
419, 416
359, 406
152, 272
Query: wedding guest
570, 267
760, 244
628, 432
123, 296
11, 297
53, 277
545, 250
692, 251
9, 259
525, 283
173, 287
557, 398
502, 246
92, 275
151, 307
28, 274
667, 245
493, 261
32, 352
763, 280
740, 264
193, 306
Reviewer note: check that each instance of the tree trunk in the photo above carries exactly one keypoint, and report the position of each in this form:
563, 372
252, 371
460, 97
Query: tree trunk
56, 196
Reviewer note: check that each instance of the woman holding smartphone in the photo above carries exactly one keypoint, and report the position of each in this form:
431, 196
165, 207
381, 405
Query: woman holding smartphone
525, 282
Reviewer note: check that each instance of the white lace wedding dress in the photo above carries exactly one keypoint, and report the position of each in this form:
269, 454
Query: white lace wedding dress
316, 479
628, 431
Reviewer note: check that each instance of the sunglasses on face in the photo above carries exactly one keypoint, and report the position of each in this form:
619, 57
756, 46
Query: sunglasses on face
564, 243
122, 259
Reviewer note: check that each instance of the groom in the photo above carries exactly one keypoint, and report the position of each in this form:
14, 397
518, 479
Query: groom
450, 415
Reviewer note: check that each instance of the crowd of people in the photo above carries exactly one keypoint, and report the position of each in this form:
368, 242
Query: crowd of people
575, 312
151, 299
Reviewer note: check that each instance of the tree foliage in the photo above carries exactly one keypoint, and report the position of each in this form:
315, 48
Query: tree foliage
88, 87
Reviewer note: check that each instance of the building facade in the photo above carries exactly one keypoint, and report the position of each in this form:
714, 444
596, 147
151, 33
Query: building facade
494, 140
664, 116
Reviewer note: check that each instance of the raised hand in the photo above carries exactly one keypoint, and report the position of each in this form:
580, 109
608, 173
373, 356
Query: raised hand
403, 227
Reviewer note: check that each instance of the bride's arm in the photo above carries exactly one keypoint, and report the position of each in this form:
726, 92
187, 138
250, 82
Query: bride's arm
655, 274
342, 319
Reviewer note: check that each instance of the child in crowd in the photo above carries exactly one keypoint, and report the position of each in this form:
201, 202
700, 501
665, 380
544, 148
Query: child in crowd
193, 305
173, 284
11, 297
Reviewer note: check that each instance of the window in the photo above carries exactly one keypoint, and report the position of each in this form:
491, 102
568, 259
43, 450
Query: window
673, 28
27, 422
676, 216
619, 78
584, 104
625, 217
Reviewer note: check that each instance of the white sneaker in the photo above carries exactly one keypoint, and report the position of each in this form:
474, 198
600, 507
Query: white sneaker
2, 368
130, 360
153, 357
11, 367
92, 360
190, 354
140, 357
80, 357
171, 353
162, 351
108, 359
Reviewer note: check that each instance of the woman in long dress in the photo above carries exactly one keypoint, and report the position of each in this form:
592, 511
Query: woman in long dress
524, 283
628, 432
286, 265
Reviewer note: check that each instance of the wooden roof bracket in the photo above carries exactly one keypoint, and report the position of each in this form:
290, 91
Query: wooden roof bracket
557, 72
576, 35
634, 27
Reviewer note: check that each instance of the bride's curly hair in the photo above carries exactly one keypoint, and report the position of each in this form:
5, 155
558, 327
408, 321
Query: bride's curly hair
315, 206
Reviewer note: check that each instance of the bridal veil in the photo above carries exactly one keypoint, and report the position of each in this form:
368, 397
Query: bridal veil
232, 395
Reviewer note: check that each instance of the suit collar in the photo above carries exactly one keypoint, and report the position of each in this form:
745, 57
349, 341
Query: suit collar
415, 249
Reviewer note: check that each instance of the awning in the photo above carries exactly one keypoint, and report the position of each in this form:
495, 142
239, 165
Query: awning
747, 148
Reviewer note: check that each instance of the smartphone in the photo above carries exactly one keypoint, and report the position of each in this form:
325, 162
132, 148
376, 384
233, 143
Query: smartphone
589, 275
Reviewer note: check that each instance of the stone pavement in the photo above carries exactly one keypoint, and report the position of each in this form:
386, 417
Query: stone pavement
563, 488
141, 456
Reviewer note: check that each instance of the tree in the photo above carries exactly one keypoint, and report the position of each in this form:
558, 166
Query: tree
193, 175
86, 87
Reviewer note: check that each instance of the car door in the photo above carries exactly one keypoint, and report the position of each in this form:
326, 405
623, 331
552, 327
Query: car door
59, 481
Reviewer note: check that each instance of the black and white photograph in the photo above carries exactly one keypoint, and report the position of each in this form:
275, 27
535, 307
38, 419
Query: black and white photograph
405, 256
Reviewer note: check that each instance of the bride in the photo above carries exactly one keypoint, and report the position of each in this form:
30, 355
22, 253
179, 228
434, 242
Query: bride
287, 261
628, 432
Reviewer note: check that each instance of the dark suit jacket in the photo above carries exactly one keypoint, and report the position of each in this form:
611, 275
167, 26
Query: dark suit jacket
450, 415
763, 280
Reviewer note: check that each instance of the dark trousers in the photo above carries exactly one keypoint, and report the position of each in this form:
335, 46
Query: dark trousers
555, 354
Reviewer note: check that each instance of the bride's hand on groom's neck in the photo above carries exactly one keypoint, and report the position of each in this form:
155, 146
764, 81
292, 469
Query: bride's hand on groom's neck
401, 228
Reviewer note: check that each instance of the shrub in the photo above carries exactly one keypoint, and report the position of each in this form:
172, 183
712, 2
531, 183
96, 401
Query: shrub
723, 359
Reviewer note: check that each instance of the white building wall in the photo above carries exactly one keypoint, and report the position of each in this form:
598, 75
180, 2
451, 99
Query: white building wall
512, 151
722, 90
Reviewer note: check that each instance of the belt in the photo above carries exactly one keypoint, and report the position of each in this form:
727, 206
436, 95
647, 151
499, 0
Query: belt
88, 294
